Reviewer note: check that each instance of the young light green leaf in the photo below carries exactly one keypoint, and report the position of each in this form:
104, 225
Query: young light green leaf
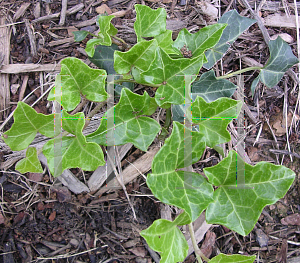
210, 88
281, 59
26, 125
104, 36
169, 74
80, 35
187, 190
104, 58
222, 258
129, 125
236, 26
78, 78
30, 163
213, 118
139, 56
238, 207
75, 150
165, 42
164, 236
149, 22
204, 39
90, 46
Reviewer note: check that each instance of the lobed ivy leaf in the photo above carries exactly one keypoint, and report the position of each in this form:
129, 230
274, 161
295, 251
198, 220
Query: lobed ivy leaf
281, 59
165, 42
75, 150
149, 22
104, 58
129, 124
139, 56
236, 26
222, 258
169, 75
197, 43
77, 79
164, 236
239, 207
104, 36
210, 88
27, 122
30, 163
213, 118
80, 35
186, 190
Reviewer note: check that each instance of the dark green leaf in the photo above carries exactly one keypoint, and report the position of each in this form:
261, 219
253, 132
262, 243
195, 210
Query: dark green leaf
80, 35
281, 59
236, 26
210, 88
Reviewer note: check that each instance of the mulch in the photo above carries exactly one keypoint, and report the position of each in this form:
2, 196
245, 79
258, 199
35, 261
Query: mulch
43, 220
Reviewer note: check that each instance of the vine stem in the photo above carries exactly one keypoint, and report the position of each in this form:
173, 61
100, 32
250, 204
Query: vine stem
238, 72
197, 250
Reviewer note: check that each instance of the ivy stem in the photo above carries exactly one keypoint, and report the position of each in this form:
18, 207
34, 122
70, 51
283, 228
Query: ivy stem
197, 250
238, 72
168, 118
133, 81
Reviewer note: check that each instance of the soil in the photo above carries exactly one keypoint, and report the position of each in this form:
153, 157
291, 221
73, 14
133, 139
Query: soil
41, 220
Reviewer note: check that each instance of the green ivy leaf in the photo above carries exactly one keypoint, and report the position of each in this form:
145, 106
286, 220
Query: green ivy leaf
281, 59
213, 118
31, 163
210, 88
26, 125
75, 150
104, 36
169, 74
129, 124
222, 258
149, 23
182, 219
239, 208
104, 58
163, 236
80, 35
187, 190
204, 39
139, 56
78, 78
165, 42
236, 26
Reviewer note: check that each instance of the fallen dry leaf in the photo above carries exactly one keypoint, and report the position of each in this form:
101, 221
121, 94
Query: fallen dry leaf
293, 219
138, 251
36, 177
2, 219
208, 243
52, 216
102, 9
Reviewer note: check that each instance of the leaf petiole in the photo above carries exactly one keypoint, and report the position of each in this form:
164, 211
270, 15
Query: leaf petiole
238, 72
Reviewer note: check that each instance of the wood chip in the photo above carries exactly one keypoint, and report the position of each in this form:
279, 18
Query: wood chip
20, 12
23, 68
61, 41
277, 20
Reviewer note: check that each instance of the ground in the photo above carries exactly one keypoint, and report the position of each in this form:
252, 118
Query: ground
42, 220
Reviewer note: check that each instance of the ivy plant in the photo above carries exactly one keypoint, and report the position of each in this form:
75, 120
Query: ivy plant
201, 109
